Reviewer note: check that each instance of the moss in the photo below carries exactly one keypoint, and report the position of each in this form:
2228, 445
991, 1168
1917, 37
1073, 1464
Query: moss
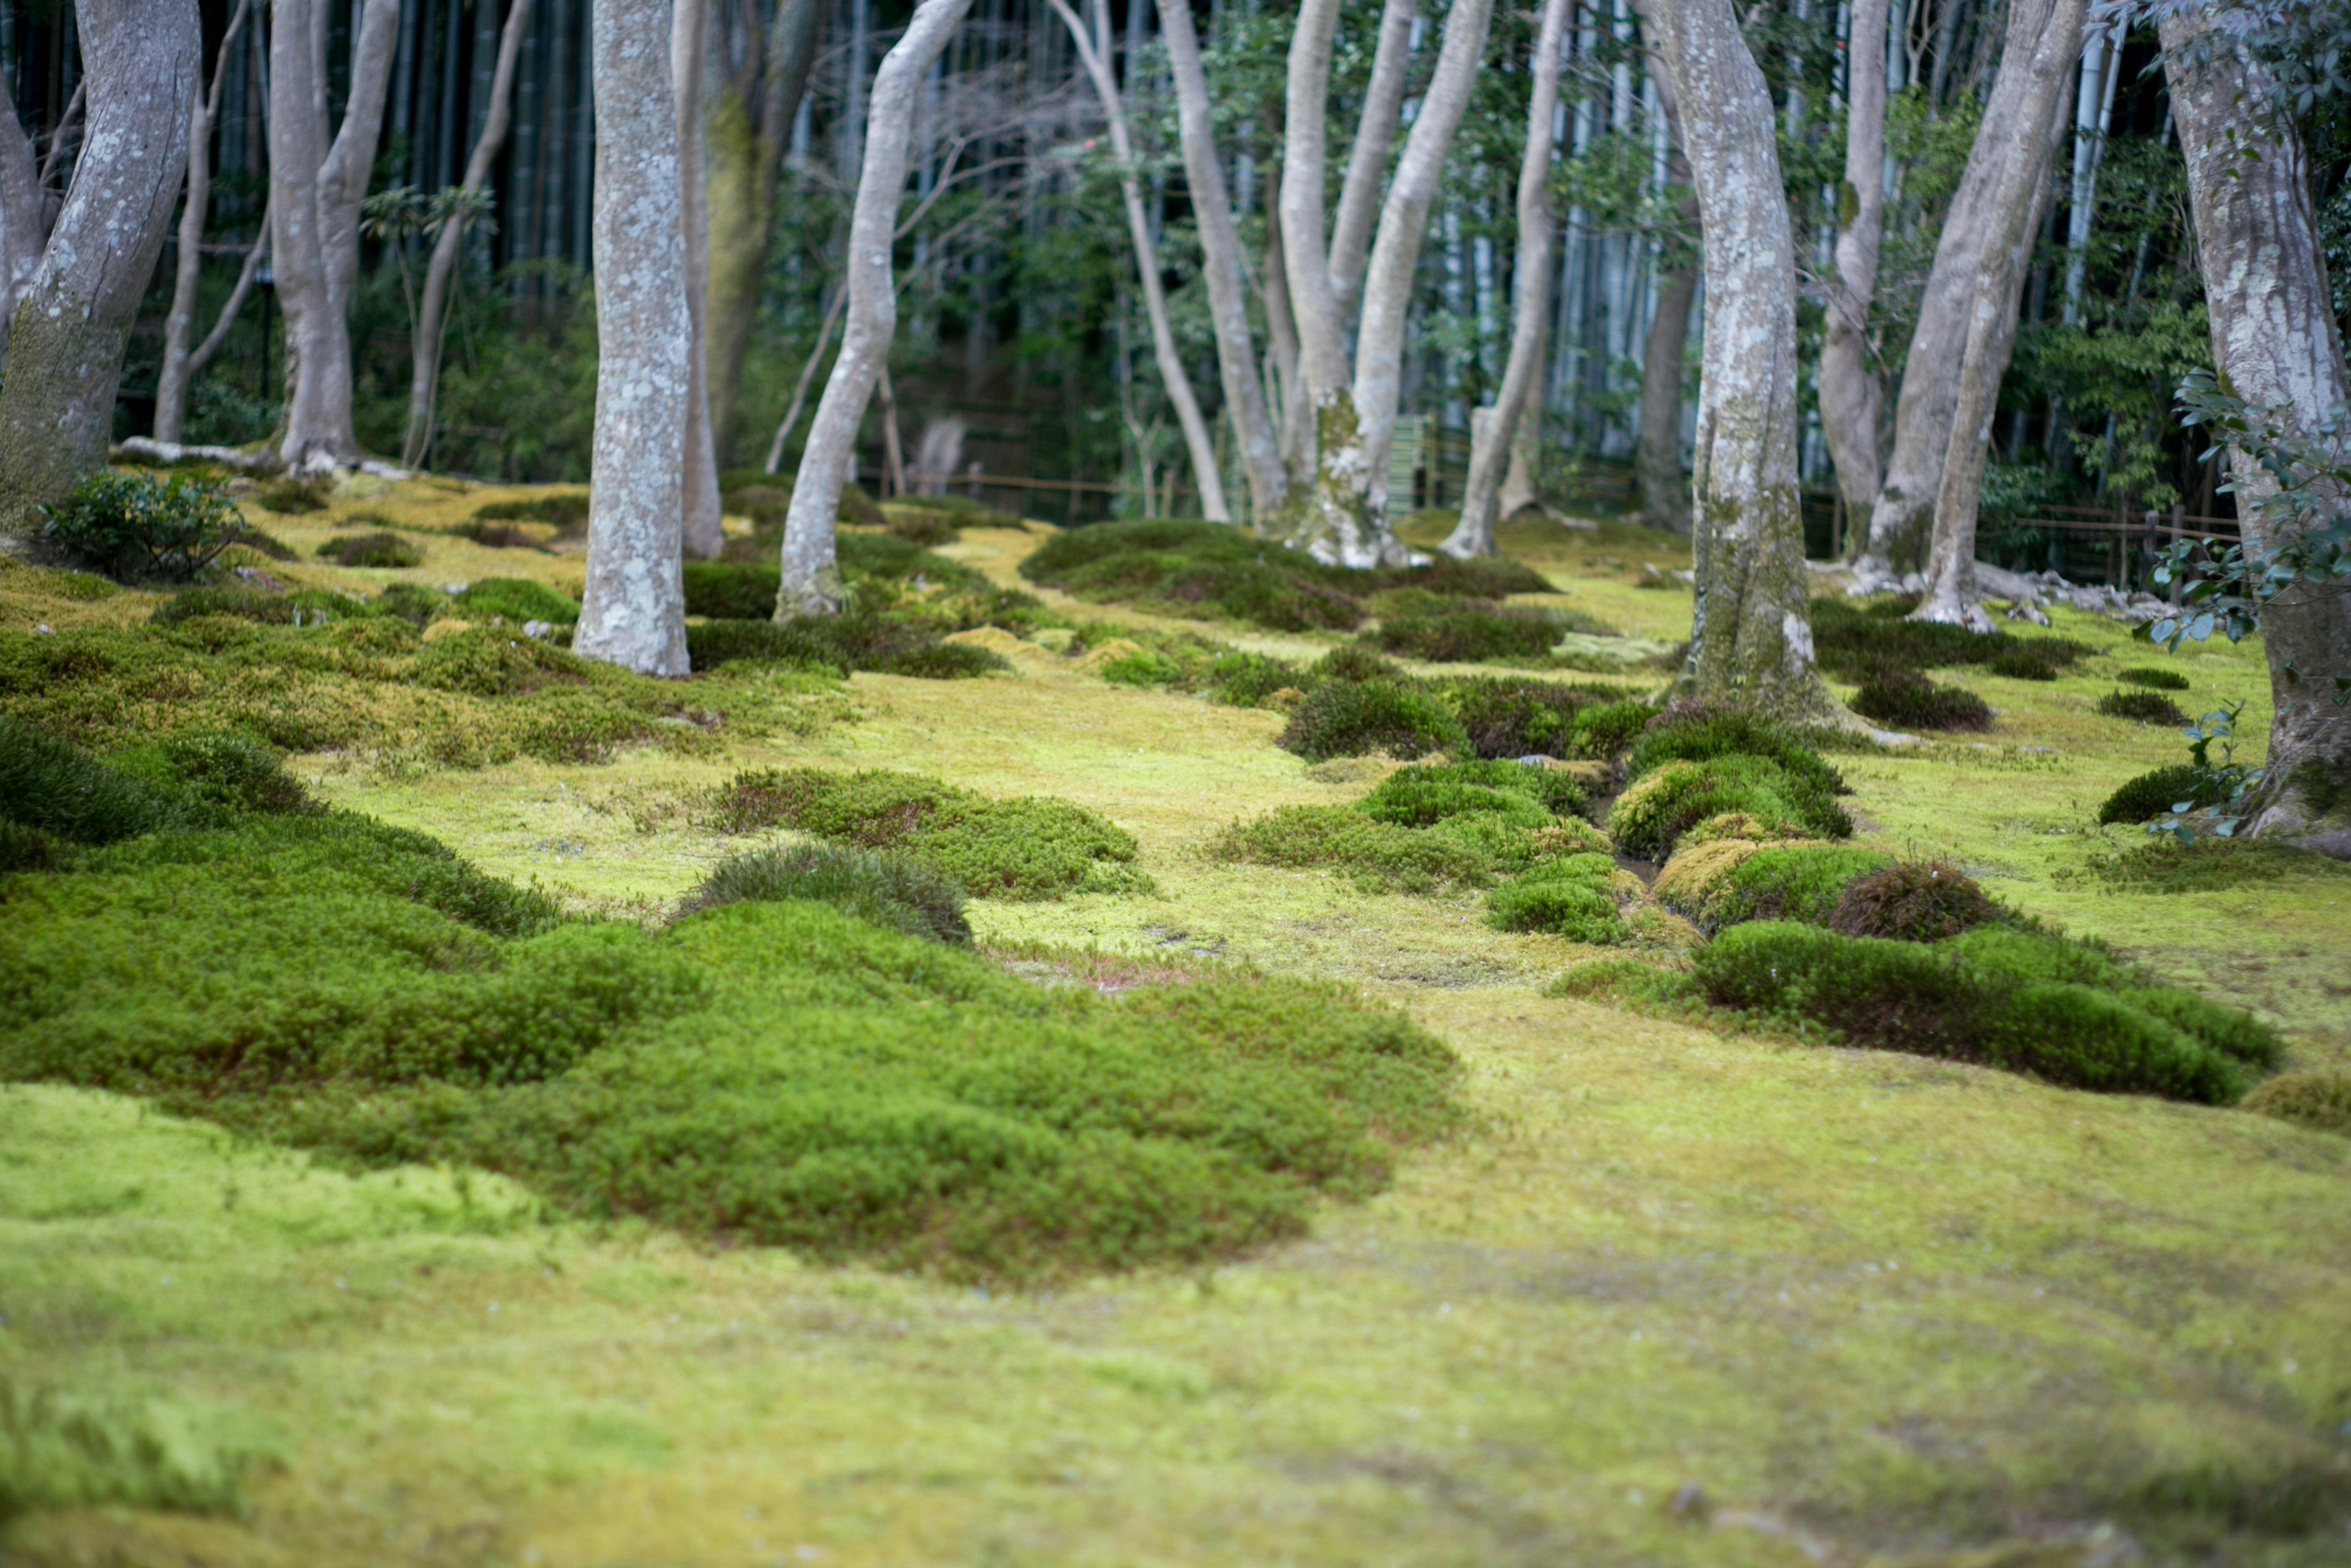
1728, 882
1696, 733
2152, 795
1627, 980
1471, 635
1649, 818
711, 643
2154, 680
890, 890
294, 495
1912, 900
2165, 866
61, 791
1528, 797
566, 510
2015, 954
1142, 668
1381, 857
1859, 643
65, 1449
1575, 896
517, 600
2140, 707
376, 550
1509, 717
2321, 1101
1908, 700
1356, 718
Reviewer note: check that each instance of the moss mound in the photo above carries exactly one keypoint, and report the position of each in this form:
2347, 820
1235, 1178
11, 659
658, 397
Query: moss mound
2317, 1100
381, 549
516, 598
1650, 817
2140, 707
1694, 733
1509, 717
1730, 882
885, 890
1421, 796
2152, 795
563, 508
1355, 718
1474, 635
1858, 643
1381, 857
711, 643
1905, 699
1577, 896
1912, 900
2154, 680
902, 602
1024, 849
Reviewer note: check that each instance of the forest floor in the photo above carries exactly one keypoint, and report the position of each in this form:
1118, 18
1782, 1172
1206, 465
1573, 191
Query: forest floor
1682, 1295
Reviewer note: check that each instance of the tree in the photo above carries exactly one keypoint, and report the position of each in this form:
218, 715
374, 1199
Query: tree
1849, 388
316, 189
1750, 631
181, 360
812, 580
2275, 341
1493, 430
633, 612
689, 30
143, 59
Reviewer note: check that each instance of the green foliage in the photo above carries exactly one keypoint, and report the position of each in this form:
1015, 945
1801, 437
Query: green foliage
1380, 856
885, 890
2140, 707
294, 495
1343, 718
2154, 680
376, 550
1350, 662
1571, 896
1911, 901
1466, 636
63, 1450
1694, 733
731, 591
2152, 795
414, 602
2321, 1101
1857, 643
1513, 717
1650, 817
1420, 795
230, 772
1908, 700
1943, 1000
62, 791
303, 607
710, 643
566, 510
516, 598
133, 525
1030, 848
1142, 668
2018, 953
1785, 882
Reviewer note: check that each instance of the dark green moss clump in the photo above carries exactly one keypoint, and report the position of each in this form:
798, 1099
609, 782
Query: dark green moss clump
1471, 635
2140, 707
710, 643
1912, 900
1379, 856
1344, 718
1908, 700
517, 598
885, 890
901, 603
2321, 1101
2154, 680
1858, 643
1575, 896
379, 549
566, 510
2152, 795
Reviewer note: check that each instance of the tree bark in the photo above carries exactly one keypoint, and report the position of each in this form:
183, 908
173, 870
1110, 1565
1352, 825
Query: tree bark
1220, 261
1750, 629
1490, 448
689, 35
2274, 339
24, 213
1851, 394
1903, 512
633, 612
316, 187
195, 205
745, 155
143, 59
811, 578
1375, 126
1992, 327
1172, 375
1658, 451
433, 305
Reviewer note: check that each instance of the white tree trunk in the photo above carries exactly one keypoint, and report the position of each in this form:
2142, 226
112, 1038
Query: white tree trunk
24, 227
1991, 326
1220, 260
1750, 631
433, 305
195, 205
2274, 339
143, 59
1490, 448
1851, 394
811, 579
633, 612
689, 35
1172, 375
1375, 127
316, 187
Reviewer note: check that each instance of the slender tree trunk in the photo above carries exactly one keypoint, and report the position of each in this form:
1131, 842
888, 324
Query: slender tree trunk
1286, 390
433, 305
1850, 391
1220, 258
24, 213
811, 579
1172, 375
747, 154
1991, 324
689, 36
1490, 447
2274, 339
633, 612
785, 426
1750, 631
142, 61
1657, 450
1375, 127
316, 187
1901, 518
195, 205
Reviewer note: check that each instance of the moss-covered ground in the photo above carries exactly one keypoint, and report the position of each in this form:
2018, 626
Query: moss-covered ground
1683, 1295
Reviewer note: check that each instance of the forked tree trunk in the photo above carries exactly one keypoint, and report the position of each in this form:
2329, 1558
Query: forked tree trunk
1851, 394
432, 303
1750, 631
633, 612
195, 206
1220, 260
1367, 160
1172, 374
1992, 327
1493, 431
812, 578
689, 34
143, 59
2274, 339
316, 187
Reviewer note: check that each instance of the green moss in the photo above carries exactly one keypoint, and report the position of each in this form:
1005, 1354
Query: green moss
1696, 733
2154, 680
1783, 881
381, 549
1511, 717
2321, 1101
1860, 643
1650, 817
62, 1448
2152, 795
885, 890
2140, 707
1470, 635
517, 598
1571, 896
1905, 699
1380, 856
1142, 668
563, 508
710, 643
1912, 900
1356, 718
2164, 865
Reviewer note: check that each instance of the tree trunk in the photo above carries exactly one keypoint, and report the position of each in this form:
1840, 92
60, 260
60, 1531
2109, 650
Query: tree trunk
1750, 631
195, 205
746, 155
1850, 391
1489, 450
1220, 260
1172, 375
1658, 453
689, 35
1901, 515
316, 187
1375, 125
143, 59
811, 579
1991, 326
24, 213
633, 612
2274, 337
433, 305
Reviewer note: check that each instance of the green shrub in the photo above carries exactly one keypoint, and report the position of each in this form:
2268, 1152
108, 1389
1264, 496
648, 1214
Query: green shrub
1025, 849
1908, 700
517, 598
57, 789
1238, 679
2152, 795
1935, 1001
1650, 817
1604, 729
2140, 707
884, 890
133, 525
2015, 954
710, 643
1380, 856
1785, 882
1471, 636
2154, 680
2317, 1100
1511, 717
1911, 901
376, 550
567, 510
414, 602
1142, 668
1419, 796
294, 495
1571, 896
1699, 734
1343, 719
